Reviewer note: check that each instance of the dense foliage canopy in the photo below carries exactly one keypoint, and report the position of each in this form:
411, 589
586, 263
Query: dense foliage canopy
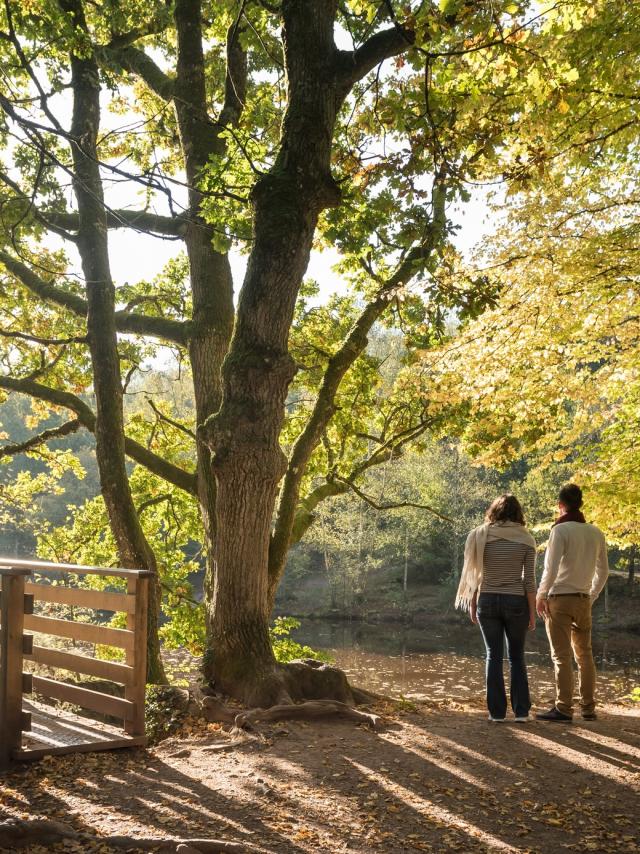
257, 129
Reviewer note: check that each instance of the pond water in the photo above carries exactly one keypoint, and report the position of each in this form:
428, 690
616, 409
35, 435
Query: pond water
445, 661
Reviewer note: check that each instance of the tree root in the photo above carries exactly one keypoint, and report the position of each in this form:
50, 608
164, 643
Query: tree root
311, 710
16, 834
304, 689
215, 711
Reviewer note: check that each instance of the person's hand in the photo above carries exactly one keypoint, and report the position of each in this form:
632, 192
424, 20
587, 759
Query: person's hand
473, 613
542, 607
532, 622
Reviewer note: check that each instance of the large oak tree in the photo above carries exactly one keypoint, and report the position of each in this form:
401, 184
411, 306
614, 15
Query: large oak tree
274, 137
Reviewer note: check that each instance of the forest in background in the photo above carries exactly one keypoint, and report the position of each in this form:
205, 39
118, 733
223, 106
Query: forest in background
370, 553
307, 432
179, 397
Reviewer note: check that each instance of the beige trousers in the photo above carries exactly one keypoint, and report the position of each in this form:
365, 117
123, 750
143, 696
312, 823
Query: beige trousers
569, 631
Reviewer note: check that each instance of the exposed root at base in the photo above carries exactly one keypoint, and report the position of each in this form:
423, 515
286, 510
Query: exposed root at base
311, 710
304, 689
16, 834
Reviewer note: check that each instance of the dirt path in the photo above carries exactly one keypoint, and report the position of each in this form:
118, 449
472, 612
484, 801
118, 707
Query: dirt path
436, 779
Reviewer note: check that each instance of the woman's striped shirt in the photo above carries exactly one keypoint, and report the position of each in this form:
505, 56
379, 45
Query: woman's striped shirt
508, 568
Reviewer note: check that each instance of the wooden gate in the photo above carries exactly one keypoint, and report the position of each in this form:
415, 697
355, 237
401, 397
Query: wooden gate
30, 729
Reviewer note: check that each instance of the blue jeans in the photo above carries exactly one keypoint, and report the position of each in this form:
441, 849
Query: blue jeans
501, 614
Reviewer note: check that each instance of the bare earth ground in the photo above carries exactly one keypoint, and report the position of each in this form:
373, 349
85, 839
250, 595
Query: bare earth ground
441, 778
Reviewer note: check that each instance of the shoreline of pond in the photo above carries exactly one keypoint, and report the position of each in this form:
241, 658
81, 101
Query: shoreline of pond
424, 619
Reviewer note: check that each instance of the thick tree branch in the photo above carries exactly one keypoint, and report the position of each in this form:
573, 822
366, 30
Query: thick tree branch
351, 348
380, 46
38, 339
136, 61
305, 515
175, 331
41, 439
235, 86
41, 288
211, 279
151, 502
171, 226
58, 397
393, 505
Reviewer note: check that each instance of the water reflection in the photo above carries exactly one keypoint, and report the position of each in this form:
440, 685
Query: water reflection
447, 660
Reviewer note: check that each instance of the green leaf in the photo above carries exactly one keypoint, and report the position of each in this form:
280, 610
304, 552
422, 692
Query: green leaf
450, 8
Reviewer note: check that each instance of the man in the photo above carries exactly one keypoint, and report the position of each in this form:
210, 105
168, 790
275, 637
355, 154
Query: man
575, 571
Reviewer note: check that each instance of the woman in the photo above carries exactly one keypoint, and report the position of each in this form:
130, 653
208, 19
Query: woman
498, 588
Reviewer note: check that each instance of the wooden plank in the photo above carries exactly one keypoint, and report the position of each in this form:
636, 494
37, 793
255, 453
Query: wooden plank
138, 588
30, 754
27, 644
44, 566
25, 719
76, 663
28, 604
55, 733
12, 609
99, 600
28, 600
80, 631
94, 700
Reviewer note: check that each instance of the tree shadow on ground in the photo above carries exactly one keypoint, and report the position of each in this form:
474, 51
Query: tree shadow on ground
133, 793
438, 780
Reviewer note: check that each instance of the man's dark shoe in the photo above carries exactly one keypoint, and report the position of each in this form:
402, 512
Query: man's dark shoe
589, 716
554, 715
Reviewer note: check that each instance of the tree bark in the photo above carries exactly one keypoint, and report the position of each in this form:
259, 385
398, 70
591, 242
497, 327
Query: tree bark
241, 408
248, 461
244, 435
92, 241
210, 271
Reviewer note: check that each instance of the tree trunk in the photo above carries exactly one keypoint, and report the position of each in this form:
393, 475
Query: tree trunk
133, 549
631, 566
209, 270
244, 436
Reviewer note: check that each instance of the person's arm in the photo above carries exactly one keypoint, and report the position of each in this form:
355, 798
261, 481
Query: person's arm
531, 599
552, 560
602, 571
473, 608
529, 579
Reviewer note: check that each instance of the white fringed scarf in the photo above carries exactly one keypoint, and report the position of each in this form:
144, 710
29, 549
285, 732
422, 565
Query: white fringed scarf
471, 578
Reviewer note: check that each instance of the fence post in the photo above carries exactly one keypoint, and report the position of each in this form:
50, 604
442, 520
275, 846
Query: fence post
11, 650
137, 623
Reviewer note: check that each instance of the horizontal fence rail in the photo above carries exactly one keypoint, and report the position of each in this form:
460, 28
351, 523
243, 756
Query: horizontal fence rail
19, 592
83, 598
87, 632
46, 566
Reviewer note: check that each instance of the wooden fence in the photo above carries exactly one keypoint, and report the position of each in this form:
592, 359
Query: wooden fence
19, 594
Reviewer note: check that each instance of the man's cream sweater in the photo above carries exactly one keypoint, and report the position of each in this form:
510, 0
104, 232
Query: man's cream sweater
575, 561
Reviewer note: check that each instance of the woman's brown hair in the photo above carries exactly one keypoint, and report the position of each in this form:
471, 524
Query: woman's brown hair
506, 508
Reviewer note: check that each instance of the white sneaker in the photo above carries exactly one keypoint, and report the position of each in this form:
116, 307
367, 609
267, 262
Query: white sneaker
497, 720
523, 720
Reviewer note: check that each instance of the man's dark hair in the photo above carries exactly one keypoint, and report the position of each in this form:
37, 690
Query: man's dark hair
571, 496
